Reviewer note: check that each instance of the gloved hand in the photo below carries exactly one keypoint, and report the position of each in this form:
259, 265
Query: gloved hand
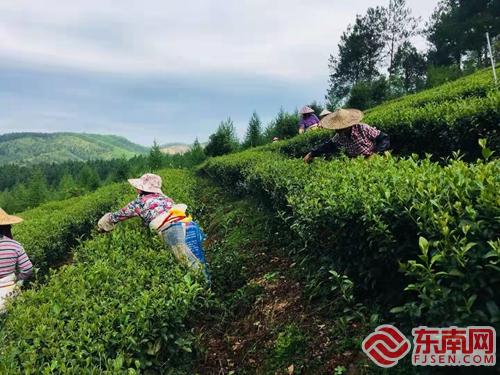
105, 224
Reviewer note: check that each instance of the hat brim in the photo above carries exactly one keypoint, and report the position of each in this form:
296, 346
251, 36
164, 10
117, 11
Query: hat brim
335, 121
10, 220
137, 183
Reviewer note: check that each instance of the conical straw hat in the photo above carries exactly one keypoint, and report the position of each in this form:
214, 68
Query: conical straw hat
6, 219
324, 113
305, 110
342, 118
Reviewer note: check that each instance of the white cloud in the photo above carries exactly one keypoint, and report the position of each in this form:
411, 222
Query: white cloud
286, 39
174, 69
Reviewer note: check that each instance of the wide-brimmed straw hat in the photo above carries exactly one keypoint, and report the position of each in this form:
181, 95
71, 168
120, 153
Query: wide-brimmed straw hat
149, 182
342, 119
6, 219
305, 110
324, 113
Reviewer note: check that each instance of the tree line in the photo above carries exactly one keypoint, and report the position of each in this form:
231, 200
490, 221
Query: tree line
25, 187
377, 61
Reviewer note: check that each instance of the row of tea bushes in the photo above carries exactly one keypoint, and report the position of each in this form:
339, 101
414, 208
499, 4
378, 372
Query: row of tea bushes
442, 127
448, 118
390, 224
476, 85
50, 231
124, 306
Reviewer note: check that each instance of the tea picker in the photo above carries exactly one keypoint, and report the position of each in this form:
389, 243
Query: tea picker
15, 265
169, 220
356, 138
308, 120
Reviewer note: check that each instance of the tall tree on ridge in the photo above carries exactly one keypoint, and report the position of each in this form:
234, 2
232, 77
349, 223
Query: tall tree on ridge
360, 54
156, 158
224, 140
400, 26
253, 136
197, 154
457, 29
409, 69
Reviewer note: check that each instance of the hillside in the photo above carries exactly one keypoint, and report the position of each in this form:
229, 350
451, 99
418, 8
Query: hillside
26, 148
174, 148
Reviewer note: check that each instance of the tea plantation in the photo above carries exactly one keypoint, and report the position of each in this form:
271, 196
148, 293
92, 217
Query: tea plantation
404, 238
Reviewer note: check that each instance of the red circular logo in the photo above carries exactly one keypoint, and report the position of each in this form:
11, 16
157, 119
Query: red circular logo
386, 346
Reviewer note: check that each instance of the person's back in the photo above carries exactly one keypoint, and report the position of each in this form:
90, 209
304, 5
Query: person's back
148, 206
308, 120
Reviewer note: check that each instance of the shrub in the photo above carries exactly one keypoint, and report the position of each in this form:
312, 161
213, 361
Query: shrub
447, 118
366, 217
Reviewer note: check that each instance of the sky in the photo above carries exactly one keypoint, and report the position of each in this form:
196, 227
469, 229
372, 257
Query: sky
163, 70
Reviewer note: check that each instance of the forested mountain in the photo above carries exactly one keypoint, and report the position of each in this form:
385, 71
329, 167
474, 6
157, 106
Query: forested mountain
26, 148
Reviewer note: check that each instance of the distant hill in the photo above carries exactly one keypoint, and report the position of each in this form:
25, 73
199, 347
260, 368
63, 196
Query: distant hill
27, 148
174, 148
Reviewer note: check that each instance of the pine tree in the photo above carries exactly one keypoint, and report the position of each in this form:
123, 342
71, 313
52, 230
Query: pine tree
285, 125
253, 136
224, 140
156, 157
16, 199
360, 54
38, 191
400, 27
88, 178
196, 154
68, 187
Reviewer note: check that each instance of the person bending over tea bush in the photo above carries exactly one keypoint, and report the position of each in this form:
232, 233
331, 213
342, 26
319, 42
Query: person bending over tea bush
356, 138
12, 258
158, 211
308, 120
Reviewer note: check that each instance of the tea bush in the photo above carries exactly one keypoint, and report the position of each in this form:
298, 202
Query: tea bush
371, 216
441, 127
446, 118
122, 307
52, 229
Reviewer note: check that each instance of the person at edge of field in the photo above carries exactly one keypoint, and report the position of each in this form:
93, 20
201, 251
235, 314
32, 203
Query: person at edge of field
324, 113
352, 135
169, 220
308, 120
13, 259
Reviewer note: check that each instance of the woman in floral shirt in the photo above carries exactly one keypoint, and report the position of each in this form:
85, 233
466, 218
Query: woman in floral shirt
162, 215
